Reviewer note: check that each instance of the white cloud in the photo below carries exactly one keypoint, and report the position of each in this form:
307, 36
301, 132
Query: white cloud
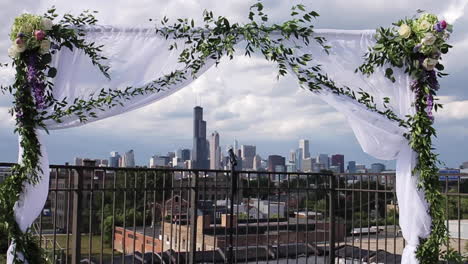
6, 120
453, 110
242, 97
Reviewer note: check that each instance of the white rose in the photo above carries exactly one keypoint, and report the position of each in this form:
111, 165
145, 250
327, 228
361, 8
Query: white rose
404, 31
45, 46
20, 47
428, 39
13, 52
47, 24
424, 25
429, 64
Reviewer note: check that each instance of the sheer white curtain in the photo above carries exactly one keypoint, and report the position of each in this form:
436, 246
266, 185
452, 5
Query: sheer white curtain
378, 136
138, 57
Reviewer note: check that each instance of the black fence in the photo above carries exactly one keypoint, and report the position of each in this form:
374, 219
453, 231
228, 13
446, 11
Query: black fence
140, 215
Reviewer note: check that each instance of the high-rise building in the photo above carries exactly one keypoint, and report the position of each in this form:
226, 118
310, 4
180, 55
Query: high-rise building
323, 159
304, 146
338, 161
352, 167
236, 146
114, 159
377, 168
159, 161
215, 152
248, 153
274, 161
200, 150
292, 156
257, 163
308, 164
183, 154
128, 159
299, 158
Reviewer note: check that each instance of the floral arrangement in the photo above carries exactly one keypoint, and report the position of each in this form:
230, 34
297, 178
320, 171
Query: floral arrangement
429, 36
417, 45
29, 32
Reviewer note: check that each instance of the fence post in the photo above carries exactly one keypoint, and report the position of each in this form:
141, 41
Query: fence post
234, 180
76, 216
193, 217
332, 226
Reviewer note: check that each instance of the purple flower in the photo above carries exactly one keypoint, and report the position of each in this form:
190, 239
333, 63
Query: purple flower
19, 113
430, 104
20, 35
440, 26
432, 80
443, 24
36, 85
417, 48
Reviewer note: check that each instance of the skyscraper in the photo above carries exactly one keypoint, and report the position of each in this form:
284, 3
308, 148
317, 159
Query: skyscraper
274, 161
308, 165
183, 154
352, 167
248, 153
338, 160
377, 167
323, 159
304, 146
200, 150
292, 156
114, 159
236, 145
215, 152
299, 160
128, 159
257, 162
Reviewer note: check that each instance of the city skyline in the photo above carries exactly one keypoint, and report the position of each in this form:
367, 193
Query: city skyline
241, 97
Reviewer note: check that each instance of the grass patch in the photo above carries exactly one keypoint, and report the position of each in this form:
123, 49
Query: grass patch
94, 250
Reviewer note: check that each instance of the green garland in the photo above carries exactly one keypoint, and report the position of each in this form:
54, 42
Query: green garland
34, 40
214, 40
416, 46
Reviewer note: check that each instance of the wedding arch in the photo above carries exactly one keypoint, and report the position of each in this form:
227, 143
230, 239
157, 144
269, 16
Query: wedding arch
70, 72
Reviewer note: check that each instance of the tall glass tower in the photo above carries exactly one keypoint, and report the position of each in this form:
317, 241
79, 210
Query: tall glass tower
200, 144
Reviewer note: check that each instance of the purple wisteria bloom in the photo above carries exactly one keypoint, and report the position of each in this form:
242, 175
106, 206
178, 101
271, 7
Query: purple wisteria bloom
36, 85
430, 105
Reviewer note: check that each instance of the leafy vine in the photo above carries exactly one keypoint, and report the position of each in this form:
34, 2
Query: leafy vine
416, 46
34, 40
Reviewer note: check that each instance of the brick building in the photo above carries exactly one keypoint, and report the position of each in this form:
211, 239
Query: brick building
61, 202
211, 235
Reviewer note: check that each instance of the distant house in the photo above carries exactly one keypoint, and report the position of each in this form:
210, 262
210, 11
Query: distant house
176, 208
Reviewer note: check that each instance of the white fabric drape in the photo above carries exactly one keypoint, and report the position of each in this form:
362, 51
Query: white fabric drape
378, 136
138, 57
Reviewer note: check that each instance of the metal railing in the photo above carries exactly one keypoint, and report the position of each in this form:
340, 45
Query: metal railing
141, 215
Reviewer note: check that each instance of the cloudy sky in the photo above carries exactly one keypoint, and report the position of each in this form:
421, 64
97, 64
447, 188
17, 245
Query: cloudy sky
242, 98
